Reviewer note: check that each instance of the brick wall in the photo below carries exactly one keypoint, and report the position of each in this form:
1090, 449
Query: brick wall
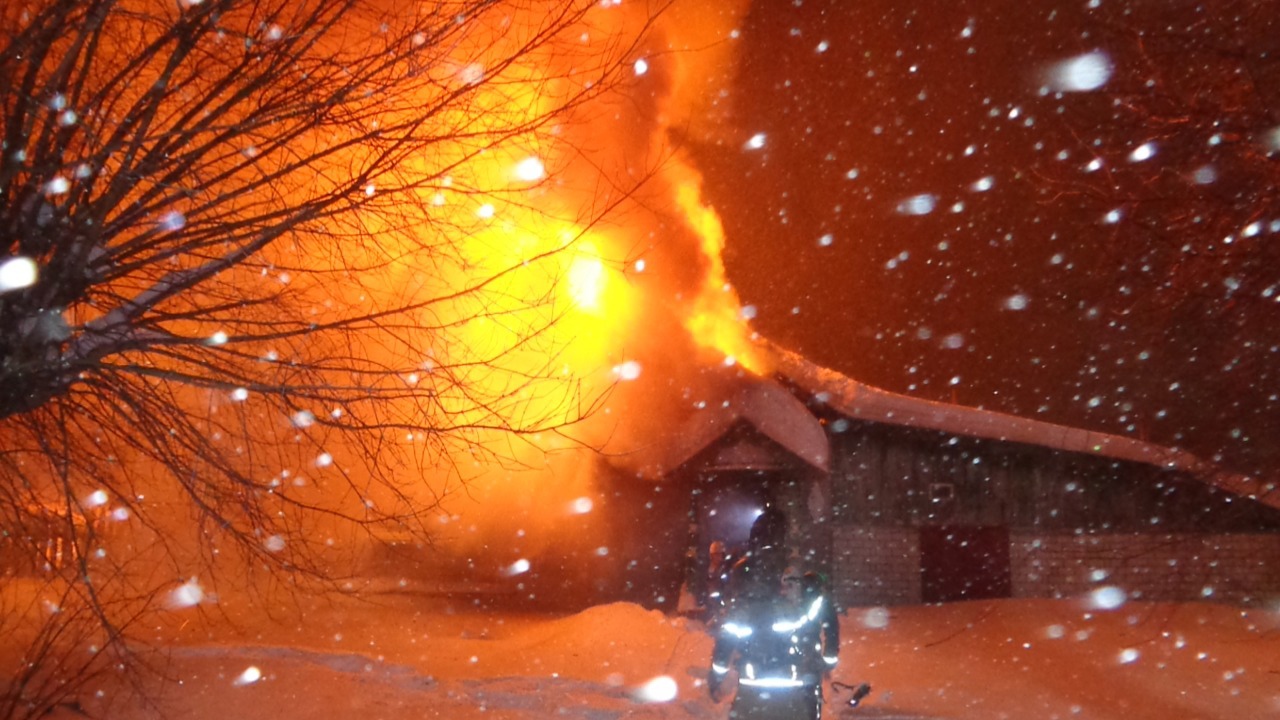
881, 566
876, 566
1234, 568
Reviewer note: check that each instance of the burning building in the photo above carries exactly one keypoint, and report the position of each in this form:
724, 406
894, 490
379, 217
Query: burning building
899, 500
902, 500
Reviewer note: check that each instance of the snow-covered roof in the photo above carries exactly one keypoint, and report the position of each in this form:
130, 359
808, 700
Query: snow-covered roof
761, 403
860, 401
776, 412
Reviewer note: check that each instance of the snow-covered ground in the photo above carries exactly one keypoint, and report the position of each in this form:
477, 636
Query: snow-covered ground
401, 655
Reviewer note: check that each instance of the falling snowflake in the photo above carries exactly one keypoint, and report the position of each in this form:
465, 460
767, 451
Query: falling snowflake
173, 221
921, 204
530, 169
1081, 73
1108, 597
17, 273
188, 594
519, 567
629, 370
876, 617
250, 676
658, 690
1143, 152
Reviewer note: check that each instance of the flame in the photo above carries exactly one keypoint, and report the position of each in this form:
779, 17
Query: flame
523, 228
641, 299
566, 306
716, 320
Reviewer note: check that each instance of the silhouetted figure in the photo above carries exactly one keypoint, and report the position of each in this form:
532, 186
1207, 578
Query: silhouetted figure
759, 570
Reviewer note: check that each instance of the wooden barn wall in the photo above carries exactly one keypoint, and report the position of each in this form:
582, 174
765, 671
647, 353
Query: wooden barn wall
883, 475
1074, 520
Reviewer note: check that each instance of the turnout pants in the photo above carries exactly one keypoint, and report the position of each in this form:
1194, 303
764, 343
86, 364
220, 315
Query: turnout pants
792, 703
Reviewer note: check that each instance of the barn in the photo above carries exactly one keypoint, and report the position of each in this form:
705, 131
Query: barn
901, 500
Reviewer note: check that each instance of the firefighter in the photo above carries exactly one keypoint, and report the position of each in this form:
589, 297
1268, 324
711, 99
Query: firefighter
759, 570
760, 640
818, 639
759, 637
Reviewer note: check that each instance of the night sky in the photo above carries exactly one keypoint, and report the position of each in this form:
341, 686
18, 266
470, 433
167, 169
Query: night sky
932, 199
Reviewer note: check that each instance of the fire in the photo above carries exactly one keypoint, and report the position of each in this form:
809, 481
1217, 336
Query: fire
556, 289
571, 270
717, 319
568, 280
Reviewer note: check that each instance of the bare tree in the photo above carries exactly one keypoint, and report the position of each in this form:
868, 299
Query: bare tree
254, 281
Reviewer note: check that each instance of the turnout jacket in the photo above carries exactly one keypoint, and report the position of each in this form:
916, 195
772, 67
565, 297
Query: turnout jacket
774, 644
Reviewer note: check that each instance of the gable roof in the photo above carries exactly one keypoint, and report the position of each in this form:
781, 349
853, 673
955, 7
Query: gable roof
772, 407
761, 403
860, 401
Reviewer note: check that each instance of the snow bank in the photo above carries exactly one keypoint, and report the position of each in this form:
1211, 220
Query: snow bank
413, 658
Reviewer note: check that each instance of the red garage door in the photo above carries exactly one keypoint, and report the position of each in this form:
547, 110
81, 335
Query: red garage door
964, 562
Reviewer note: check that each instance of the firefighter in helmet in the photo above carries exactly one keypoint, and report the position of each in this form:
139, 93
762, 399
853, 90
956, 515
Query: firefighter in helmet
760, 636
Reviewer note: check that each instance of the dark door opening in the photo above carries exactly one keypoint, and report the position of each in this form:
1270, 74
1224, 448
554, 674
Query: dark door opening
964, 562
725, 504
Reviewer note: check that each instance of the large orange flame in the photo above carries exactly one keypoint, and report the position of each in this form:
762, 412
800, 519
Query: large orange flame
639, 299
